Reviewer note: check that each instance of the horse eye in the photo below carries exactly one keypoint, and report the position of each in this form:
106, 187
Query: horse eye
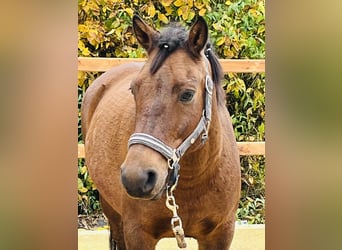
187, 96
131, 90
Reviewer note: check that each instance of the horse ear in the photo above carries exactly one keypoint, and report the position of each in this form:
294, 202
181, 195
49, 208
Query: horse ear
198, 36
143, 33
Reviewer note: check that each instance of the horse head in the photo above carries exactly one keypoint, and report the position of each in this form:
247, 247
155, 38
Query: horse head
170, 99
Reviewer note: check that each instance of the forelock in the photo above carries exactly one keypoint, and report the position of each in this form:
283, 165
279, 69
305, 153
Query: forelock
171, 38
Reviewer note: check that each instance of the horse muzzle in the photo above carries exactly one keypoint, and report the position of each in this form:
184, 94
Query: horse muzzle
140, 184
142, 177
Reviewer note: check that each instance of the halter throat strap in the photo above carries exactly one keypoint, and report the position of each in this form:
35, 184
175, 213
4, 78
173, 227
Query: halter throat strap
173, 155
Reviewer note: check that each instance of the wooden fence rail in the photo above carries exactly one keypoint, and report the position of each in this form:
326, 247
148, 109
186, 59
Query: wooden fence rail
245, 148
228, 65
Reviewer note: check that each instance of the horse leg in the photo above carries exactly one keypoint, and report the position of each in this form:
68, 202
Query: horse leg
112, 243
220, 239
116, 237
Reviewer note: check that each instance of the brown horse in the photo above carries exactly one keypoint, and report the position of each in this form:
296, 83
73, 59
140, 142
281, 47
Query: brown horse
147, 124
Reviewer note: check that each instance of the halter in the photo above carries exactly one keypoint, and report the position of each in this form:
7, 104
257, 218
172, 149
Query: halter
173, 157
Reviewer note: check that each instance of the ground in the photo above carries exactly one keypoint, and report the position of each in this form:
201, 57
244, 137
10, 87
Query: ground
93, 235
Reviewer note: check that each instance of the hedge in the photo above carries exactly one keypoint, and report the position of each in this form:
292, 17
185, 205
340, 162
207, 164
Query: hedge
237, 30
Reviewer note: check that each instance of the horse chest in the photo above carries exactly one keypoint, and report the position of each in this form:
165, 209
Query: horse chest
204, 211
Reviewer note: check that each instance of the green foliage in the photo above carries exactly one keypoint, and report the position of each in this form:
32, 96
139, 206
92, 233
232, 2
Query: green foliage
88, 197
252, 202
237, 30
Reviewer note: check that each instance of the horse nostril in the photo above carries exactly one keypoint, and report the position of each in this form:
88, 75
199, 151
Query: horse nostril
150, 181
138, 183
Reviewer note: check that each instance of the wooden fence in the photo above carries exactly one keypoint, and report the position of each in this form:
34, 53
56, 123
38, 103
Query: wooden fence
228, 65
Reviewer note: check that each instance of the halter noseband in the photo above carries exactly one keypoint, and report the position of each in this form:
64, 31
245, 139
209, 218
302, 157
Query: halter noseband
173, 155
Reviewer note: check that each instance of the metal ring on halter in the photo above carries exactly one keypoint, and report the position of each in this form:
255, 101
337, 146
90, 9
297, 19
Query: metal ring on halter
208, 87
173, 160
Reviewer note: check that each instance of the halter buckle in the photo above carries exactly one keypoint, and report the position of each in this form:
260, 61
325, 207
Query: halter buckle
171, 162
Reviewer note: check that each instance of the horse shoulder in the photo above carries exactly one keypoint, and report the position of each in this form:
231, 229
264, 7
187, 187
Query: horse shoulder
97, 89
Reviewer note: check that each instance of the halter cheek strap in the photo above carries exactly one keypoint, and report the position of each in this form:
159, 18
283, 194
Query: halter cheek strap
173, 155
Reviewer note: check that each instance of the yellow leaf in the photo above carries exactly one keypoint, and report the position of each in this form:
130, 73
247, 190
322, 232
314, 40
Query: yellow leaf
202, 12
183, 11
118, 31
110, 32
228, 53
253, 12
231, 75
178, 3
261, 29
199, 5
251, 180
220, 41
83, 28
80, 45
85, 52
179, 12
83, 169
163, 18
79, 183
83, 190
248, 198
80, 74
166, 3
191, 15
151, 11
217, 26
236, 45
228, 3
129, 11
168, 10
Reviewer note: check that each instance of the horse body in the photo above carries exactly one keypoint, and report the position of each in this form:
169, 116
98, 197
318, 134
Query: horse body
167, 105
107, 113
